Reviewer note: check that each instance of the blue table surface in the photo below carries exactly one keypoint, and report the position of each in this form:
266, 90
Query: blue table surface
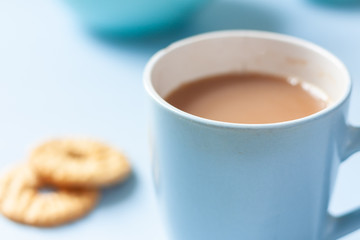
58, 80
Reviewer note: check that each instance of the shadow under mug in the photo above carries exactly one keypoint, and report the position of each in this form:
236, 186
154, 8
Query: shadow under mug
218, 180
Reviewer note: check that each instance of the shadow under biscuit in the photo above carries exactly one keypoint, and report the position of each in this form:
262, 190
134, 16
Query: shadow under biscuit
115, 194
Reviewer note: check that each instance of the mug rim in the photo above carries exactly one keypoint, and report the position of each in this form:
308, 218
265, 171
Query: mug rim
244, 33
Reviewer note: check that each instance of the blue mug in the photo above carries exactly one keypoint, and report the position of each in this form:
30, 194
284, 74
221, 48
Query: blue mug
132, 17
218, 180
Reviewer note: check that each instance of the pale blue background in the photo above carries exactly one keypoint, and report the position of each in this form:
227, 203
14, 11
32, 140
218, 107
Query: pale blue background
56, 79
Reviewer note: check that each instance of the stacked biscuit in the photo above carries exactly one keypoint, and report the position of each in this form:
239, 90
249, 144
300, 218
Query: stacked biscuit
74, 168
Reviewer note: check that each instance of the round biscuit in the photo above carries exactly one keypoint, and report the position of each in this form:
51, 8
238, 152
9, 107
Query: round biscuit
80, 163
22, 200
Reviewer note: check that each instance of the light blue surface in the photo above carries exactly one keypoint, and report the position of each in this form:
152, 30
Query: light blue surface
57, 80
219, 180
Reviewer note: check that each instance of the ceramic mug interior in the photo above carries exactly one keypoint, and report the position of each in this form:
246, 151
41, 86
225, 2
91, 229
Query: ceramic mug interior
245, 51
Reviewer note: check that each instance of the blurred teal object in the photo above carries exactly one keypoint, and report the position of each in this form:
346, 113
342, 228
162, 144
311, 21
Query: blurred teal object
133, 17
339, 3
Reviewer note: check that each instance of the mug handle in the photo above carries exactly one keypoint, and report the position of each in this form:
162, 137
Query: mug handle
345, 224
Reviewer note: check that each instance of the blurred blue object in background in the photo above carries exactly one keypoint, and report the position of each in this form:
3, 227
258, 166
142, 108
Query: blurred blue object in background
339, 3
132, 17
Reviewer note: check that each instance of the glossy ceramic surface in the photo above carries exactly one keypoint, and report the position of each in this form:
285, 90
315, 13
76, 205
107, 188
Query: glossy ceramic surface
219, 180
